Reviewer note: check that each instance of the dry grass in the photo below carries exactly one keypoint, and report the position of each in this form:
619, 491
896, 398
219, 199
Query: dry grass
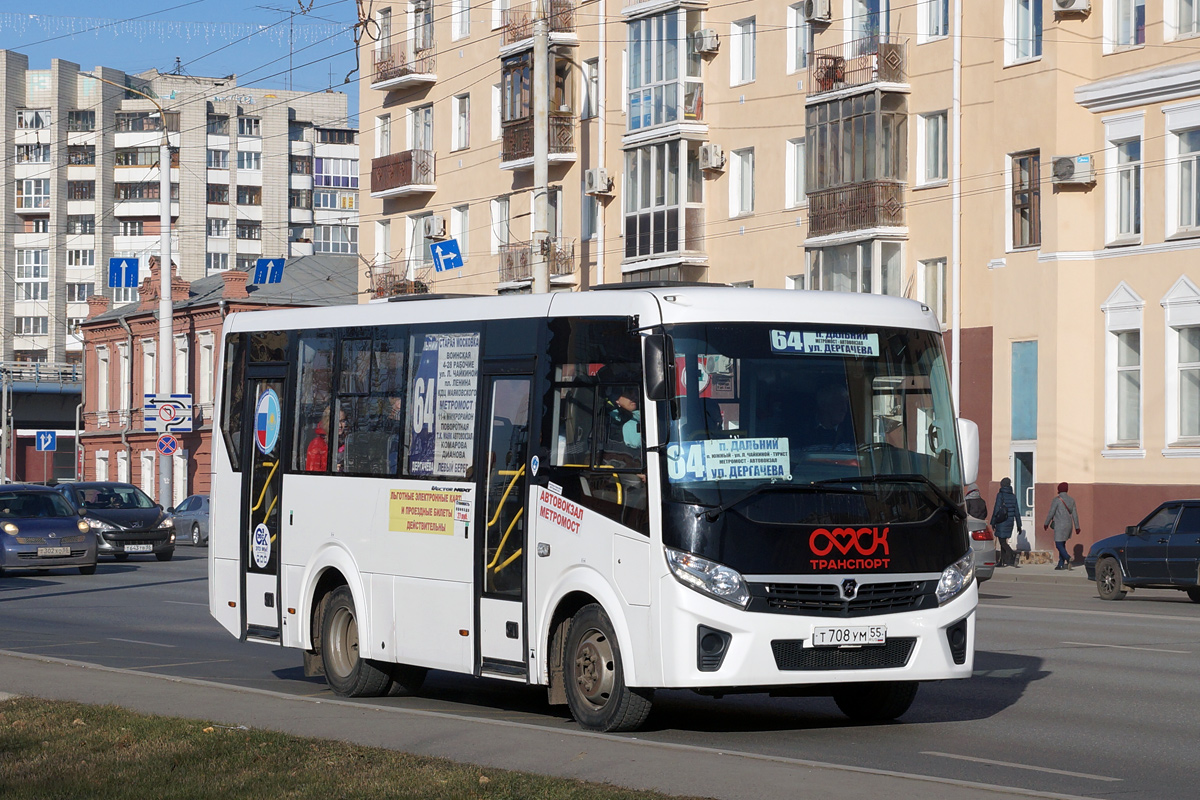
52, 749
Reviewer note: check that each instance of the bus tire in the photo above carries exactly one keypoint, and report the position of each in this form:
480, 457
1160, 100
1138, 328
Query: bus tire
405, 680
595, 677
346, 673
875, 702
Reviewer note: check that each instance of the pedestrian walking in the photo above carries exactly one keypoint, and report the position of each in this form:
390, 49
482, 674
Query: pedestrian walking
976, 506
1005, 515
1062, 518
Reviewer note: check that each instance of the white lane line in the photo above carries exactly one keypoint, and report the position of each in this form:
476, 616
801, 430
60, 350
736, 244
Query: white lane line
1128, 647
136, 641
1162, 617
1021, 766
183, 603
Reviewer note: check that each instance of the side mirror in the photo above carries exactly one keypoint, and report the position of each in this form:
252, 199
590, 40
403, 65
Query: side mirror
968, 443
1132, 530
82, 512
171, 510
659, 367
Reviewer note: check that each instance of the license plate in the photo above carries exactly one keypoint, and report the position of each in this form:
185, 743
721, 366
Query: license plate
139, 548
53, 551
849, 635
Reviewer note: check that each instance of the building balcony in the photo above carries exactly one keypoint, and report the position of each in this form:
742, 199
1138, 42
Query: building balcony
875, 204
399, 278
874, 59
516, 149
518, 23
397, 67
399, 174
516, 260
300, 248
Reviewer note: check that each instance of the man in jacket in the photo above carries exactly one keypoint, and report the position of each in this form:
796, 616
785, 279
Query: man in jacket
1005, 514
1062, 517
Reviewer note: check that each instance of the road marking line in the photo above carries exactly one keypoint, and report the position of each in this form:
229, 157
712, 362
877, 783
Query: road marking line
136, 641
47, 646
1163, 617
187, 663
1128, 647
182, 603
1021, 766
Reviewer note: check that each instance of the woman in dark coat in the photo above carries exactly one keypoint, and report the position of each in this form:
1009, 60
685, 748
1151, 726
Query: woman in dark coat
1005, 514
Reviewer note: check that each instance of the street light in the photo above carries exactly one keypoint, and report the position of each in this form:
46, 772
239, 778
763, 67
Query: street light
166, 352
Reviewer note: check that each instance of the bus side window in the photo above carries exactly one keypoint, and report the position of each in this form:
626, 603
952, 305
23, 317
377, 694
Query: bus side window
232, 396
313, 417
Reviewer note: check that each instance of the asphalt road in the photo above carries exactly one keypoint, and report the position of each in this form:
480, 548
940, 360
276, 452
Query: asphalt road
1071, 695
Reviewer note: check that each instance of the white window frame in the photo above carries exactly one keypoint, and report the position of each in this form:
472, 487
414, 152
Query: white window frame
799, 39
940, 121
182, 363
249, 160
589, 89
179, 477
81, 258
460, 19
383, 135
102, 379
934, 270
383, 19
1118, 131
123, 466
794, 172
1114, 41
149, 366
416, 250
743, 56
873, 248
460, 130
101, 465
420, 127
858, 14
589, 217
1174, 26
1179, 119
124, 369
206, 342
741, 182
218, 228
1123, 312
498, 9
501, 209
933, 20
1019, 29
383, 243
149, 472
460, 229
1181, 305
497, 131
221, 265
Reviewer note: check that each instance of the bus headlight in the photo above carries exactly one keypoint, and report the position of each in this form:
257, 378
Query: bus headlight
956, 578
708, 577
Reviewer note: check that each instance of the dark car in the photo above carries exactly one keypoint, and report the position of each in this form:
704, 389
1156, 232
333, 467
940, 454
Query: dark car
125, 519
39, 529
191, 519
1160, 552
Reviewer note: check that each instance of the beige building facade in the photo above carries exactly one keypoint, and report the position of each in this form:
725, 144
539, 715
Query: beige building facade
842, 145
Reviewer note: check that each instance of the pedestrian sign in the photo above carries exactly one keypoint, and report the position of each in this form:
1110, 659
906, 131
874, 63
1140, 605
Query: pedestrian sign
268, 270
123, 272
446, 255
167, 413
47, 441
167, 444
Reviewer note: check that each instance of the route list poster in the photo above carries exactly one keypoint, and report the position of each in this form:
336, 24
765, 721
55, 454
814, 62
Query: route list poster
443, 405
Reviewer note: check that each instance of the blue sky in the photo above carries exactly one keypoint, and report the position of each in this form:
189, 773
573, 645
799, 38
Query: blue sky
210, 37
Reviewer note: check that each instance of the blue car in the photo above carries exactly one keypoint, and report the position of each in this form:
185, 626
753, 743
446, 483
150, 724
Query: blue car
1160, 552
39, 529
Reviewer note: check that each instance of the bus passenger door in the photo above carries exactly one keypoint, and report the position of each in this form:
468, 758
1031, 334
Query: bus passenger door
264, 455
501, 556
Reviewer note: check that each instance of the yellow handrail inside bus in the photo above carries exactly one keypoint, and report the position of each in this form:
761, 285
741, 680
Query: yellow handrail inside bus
271, 508
274, 465
503, 539
509, 560
511, 484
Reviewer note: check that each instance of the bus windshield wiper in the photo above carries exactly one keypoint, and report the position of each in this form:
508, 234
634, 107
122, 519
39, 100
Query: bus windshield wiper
714, 513
911, 477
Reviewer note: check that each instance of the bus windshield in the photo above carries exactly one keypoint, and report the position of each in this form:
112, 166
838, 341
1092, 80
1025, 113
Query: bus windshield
802, 405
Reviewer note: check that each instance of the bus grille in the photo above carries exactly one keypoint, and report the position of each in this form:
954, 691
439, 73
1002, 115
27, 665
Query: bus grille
825, 599
791, 654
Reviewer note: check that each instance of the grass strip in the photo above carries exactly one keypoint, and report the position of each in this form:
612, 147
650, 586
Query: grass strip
52, 749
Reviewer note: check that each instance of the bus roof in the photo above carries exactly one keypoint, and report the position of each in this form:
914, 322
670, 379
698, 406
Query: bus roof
674, 304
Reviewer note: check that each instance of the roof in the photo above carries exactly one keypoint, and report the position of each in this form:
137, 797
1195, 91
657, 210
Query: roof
316, 280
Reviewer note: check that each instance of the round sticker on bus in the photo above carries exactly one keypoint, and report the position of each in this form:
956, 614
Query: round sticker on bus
534, 463
261, 546
267, 421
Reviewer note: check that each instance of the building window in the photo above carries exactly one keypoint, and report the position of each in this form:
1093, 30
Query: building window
80, 292
1189, 382
81, 190
215, 262
81, 224
81, 258
336, 172
662, 79
870, 267
82, 155
33, 275
75, 326
799, 38
933, 147
383, 136
144, 121
249, 126
249, 230
300, 198
460, 19
218, 124
218, 228
933, 20
81, 120
1129, 386
589, 208
460, 227
141, 191
33, 154
1129, 188
1023, 38
33, 118
1026, 200
742, 48
1181, 18
181, 363
590, 106
335, 239
205, 379
1189, 178
32, 326
497, 130
149, 366
418, 249
420, 127
462, 122
794, 173
249, 195
873, 132
249, 159
218, 194
335, 136
124, 294
33, 193
132, 227
1130, 23
1123, 367
140, 157
37, 225
932, 287
218, 159
741, 182
422, 25
500, 231
870, 18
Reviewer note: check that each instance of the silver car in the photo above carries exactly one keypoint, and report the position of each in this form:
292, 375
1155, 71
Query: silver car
191, 520
983, 543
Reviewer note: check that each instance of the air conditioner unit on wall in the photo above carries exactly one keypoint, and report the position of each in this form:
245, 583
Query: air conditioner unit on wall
712, 157
1072, 170
435, 227
706, 41
816, 10
597, 181
1072, 6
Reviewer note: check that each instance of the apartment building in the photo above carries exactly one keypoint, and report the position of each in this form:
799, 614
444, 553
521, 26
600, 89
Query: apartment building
812, 146
255, 173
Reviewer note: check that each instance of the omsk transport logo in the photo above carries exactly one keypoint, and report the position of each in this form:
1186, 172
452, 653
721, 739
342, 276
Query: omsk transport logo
266, 421
833, 548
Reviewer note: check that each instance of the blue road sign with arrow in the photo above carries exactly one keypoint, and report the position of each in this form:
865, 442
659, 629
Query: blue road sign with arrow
47, 441
123, 272
446, 255
269, 270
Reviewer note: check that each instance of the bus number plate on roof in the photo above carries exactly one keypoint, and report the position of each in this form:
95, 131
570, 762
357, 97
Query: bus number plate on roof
825, 343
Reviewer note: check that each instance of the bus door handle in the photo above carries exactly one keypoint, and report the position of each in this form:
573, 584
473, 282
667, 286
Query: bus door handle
543, 549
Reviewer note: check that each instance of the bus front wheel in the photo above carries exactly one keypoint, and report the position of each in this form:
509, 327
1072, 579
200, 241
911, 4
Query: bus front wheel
595, 677
346, 673
875, 702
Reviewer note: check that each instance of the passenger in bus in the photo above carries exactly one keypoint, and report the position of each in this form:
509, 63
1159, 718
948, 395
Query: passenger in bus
625, 416
316, 457
830, 426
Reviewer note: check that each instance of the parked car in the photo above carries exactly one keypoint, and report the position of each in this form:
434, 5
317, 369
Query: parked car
191, 519
39, 529
125, 519
1160, 552
983, 543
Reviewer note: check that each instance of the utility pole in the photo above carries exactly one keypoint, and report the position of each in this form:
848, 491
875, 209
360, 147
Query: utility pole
541, 150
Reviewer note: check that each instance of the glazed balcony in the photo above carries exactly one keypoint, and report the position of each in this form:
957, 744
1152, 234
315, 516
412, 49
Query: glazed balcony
398, 67
516, 150
516, 260
874, 204
518, 23
874, 59
399, 174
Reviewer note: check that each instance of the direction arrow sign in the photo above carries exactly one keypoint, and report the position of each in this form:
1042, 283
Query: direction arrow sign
446, 255
47, 441
167, 413
269, 270
123, 272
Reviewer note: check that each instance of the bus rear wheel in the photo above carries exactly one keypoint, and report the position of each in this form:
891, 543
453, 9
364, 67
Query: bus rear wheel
346, 673
875, 702
595, 676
